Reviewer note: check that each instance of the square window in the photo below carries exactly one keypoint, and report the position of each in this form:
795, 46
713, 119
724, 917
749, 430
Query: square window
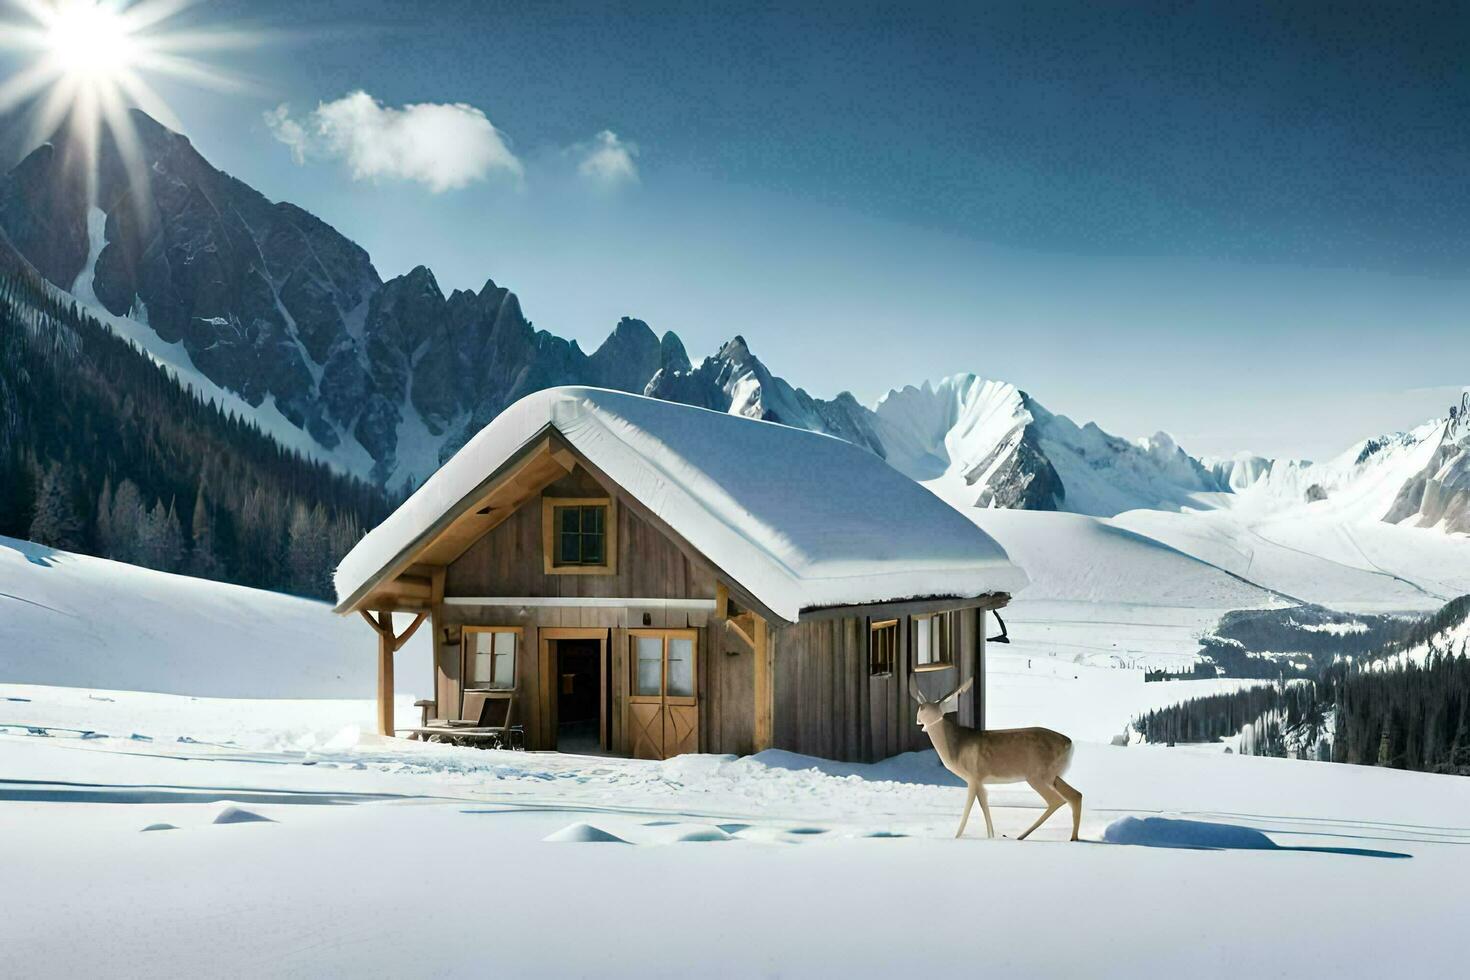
581, 536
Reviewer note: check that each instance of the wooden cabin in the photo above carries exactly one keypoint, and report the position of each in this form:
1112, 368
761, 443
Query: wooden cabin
645, 578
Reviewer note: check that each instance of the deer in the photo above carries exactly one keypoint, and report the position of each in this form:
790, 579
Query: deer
1037, 756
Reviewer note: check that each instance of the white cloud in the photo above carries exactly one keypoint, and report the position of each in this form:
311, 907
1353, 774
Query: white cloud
608, 160
288, 131
444, 146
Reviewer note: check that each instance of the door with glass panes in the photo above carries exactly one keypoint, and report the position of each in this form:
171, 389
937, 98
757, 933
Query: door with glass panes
663, 707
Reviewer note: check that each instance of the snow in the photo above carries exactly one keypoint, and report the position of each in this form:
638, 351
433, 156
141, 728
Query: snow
184, 835
90, 622
376, 852
1342, 564
799, 519
952, 437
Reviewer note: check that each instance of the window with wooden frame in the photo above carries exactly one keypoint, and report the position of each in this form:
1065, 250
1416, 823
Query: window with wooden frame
579, 535
936, 638
662, 663
490, 657
882, 646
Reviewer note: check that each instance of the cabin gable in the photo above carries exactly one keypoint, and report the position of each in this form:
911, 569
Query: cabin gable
512, 559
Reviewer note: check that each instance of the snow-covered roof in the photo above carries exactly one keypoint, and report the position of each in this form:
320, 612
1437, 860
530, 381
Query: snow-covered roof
798, 519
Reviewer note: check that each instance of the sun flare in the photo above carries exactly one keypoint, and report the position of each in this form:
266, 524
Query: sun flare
90, 41
90, 61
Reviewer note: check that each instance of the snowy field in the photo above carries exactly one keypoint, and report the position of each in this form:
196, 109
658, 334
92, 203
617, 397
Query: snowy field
292, 843
378, 858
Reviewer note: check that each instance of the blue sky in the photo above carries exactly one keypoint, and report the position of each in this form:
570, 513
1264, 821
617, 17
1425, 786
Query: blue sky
1241, 223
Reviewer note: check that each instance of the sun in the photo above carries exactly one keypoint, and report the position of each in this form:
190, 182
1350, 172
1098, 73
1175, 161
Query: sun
89, 61
91, 42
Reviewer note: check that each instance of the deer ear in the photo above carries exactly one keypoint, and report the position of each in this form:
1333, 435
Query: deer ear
958, 691
915, 693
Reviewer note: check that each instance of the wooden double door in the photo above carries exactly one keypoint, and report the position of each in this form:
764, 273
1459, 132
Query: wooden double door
663, 701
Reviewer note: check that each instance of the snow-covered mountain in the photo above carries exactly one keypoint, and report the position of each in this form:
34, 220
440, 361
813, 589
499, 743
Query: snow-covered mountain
272, 306
278, 316
1419, 478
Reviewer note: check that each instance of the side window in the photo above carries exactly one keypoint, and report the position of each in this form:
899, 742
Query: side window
490, 657
935, 639
882, 646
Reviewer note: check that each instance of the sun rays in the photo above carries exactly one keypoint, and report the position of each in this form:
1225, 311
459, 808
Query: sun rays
91, 60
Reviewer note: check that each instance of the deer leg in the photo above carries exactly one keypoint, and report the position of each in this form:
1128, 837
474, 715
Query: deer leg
965, 817
1053, 802
1074, 799
985, 809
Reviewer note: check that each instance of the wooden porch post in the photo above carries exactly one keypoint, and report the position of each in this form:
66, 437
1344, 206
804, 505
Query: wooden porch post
764, 691
388, 644
385, 675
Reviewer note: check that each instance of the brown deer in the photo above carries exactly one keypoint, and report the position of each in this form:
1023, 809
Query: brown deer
1037, 756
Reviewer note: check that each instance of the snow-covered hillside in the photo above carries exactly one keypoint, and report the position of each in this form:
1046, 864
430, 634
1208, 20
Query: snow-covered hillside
87, 622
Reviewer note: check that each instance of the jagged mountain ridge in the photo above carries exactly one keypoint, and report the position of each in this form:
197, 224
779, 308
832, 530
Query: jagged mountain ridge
274, 305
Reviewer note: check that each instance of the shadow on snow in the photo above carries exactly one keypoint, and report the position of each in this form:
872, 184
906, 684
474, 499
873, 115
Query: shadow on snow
1202, 835
46, 791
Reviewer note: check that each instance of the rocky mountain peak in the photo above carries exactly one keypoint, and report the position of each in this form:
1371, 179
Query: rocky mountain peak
389, 378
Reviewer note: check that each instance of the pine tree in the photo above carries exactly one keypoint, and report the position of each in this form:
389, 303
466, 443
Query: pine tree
204, 559
56, 521
308, 550
171, 547
160, 539
104, 516
126, 522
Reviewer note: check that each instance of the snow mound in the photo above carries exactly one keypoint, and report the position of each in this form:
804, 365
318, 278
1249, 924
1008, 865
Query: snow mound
693, 768
583, 833
235, 814
1196, 834
158, 826
700, 834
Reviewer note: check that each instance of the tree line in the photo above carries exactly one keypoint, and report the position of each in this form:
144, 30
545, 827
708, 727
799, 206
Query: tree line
1382, 710
104, 452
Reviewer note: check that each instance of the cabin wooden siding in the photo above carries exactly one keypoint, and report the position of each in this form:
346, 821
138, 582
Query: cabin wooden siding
508, 562
824, 702
827, 704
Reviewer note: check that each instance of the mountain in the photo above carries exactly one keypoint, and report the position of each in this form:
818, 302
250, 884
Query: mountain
1420, 478
276, 315
273, 305
103, 450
